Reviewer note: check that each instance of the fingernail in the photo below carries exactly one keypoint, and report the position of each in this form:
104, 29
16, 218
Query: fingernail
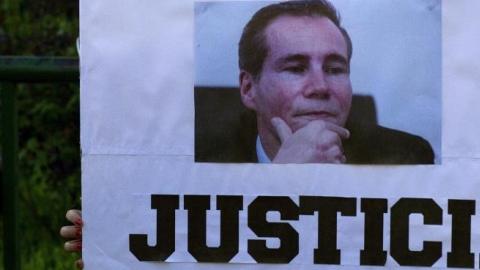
78, 222
79, 232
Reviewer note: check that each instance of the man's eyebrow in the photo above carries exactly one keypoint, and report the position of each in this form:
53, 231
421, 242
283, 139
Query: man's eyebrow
335, 57
292, 58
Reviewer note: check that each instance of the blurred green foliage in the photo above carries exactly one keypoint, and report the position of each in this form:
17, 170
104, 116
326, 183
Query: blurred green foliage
48, 116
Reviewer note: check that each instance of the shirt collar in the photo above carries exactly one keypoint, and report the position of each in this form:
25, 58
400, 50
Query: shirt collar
261, 155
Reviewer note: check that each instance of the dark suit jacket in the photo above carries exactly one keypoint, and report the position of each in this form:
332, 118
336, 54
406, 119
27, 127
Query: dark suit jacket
225, 131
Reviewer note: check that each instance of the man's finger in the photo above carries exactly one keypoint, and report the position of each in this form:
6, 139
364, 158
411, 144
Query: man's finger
71, 232
79, 264
342, 132
73, 246
283, 130
334, 155
74, 216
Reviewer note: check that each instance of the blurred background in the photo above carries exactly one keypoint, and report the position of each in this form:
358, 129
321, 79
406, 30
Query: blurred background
48, 120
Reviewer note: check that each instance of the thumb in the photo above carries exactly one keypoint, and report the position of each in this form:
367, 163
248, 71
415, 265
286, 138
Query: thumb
283, 130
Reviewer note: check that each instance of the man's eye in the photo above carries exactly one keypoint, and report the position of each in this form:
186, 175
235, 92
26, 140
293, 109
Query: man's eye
335, 70
295, 69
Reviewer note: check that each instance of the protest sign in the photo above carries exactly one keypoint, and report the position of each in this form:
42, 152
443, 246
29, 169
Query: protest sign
173, 132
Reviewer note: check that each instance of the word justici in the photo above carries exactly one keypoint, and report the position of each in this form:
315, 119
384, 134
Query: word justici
327, 210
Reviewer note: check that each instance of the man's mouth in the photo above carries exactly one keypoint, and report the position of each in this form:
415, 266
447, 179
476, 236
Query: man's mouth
315, 115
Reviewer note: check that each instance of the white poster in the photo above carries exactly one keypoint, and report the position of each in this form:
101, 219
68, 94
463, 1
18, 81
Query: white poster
280, 135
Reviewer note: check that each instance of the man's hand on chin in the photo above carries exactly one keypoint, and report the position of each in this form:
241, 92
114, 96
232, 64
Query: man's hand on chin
317, 142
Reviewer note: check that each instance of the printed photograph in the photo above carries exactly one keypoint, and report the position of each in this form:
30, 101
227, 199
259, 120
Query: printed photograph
317, 81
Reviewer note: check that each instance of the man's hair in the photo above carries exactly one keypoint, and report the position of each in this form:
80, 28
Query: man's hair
253, 48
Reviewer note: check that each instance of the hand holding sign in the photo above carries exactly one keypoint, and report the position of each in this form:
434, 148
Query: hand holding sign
318, 142
73, 232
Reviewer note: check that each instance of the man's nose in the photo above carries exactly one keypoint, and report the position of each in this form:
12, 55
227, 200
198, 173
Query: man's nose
317, 86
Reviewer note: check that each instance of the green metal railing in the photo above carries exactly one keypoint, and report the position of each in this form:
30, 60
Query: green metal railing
14, 69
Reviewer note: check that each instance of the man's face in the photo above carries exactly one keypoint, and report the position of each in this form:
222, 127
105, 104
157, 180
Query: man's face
305, 75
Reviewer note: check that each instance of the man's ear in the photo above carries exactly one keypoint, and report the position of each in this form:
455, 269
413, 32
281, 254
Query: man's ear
247, 90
